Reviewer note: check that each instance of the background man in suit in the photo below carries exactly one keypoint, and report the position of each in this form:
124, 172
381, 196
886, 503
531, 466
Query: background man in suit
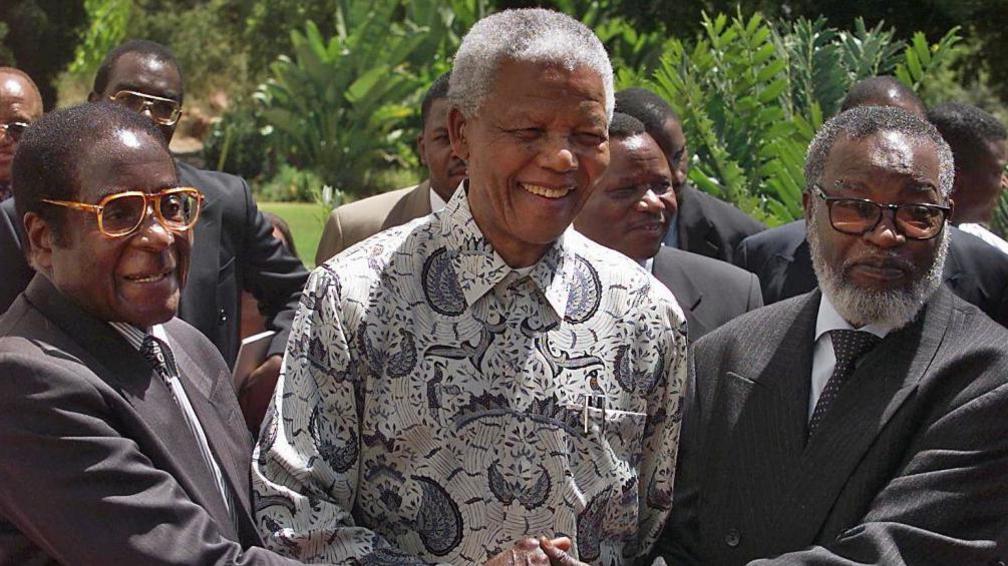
977, 140
627, 213
859, 424
20, 105
235, 245
120, 441
359, 220
883, 90
780, 256
701, 223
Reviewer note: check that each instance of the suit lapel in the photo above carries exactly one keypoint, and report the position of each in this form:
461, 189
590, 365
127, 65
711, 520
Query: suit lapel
112, 359
687, 294
879, 386
204, 394
766, 411
415, 204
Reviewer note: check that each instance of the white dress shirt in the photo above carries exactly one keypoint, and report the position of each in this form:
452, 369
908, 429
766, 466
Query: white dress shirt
436, 202
823, 358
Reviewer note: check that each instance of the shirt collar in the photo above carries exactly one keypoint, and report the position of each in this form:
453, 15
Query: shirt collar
829, 319
478, 267
135, 335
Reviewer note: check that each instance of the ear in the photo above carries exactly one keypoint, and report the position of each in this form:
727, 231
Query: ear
93, 96
457, 134
806, 201
421, 149
40, 240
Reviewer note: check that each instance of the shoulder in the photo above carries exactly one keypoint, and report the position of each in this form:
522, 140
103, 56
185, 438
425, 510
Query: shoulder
970, 248
214, 184
701, 267
782, 238
374, 208
759, 328
620, 278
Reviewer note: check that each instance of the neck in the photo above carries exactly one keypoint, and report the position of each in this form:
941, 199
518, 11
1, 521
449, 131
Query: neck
515, 253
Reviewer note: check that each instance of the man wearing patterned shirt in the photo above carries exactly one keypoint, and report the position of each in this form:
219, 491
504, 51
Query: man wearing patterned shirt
483, 385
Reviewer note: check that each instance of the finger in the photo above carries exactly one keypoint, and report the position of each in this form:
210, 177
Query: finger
563, 543
557, 556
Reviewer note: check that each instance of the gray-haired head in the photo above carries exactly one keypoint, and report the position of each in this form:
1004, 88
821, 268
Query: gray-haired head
533, 35
862, 121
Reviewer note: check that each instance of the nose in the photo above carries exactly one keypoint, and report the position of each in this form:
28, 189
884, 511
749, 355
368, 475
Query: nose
558, 156
152, 234
650, 203
885, 234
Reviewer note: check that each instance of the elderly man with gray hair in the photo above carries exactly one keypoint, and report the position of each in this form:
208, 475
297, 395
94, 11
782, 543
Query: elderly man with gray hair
863, 424
484, 385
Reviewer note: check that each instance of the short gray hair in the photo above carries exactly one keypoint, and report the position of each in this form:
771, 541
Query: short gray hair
862, 121
534, 35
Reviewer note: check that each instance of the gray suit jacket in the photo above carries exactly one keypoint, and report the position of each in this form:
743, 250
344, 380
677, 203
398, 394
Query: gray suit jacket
709, 226
97, 465
359, 220
710, 292
908, 466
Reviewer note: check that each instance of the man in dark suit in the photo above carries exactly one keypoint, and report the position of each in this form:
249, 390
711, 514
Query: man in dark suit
235, 247
701, 223
626, 212
781, 258
860, 424
120, 436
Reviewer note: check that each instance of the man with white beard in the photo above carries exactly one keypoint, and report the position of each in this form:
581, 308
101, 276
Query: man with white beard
863, 423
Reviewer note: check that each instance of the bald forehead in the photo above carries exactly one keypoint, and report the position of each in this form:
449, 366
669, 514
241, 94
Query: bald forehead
16, 89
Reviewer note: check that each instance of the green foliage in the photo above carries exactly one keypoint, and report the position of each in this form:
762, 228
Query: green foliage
336, 106
6, 57
238, 143
290, 184
107, 23
751, 96
999, 223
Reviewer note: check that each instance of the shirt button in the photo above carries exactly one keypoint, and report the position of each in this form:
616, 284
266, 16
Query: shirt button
222, 317
732, 538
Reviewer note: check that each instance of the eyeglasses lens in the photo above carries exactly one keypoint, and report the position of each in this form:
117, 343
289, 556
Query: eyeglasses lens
13, 130
123, 214
162, 111
857, 217
178, 209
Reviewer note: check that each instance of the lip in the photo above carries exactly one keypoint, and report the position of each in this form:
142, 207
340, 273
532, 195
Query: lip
649, 226
150, 277
883, 271
547, 191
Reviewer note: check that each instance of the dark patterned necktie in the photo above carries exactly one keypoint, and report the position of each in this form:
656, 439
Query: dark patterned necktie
848, 347
157, 357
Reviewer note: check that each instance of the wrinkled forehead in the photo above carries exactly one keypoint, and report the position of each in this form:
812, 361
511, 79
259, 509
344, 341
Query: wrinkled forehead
126, 158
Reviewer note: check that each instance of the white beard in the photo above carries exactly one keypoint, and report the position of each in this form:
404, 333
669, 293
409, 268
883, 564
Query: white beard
859, 306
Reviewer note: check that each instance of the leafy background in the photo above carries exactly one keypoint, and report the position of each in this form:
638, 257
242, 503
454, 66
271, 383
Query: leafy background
299, 95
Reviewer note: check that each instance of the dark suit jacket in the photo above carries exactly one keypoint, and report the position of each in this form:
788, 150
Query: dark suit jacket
97, 464
974, 270
710, 292
710, 226
234, 249
908, 466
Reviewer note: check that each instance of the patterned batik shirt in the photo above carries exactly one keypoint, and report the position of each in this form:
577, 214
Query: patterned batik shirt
436, 405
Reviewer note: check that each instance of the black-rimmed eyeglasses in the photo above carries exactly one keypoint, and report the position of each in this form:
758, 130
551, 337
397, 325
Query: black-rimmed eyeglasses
857, 216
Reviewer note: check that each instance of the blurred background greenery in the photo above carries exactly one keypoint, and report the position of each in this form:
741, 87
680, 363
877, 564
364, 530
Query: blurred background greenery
297, 95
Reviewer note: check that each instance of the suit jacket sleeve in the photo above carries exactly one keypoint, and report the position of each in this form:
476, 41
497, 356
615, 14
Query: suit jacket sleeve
271, 273
946, 504
84, 493
16, 271
332, 238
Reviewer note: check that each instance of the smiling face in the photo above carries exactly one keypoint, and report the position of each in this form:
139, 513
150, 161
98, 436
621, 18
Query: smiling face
880, 276
627, 211
136, 278
19, 102
533, 152
145, 74
445, 168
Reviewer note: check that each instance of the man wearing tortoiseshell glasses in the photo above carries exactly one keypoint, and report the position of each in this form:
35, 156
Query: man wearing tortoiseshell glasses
20, 105
235, 249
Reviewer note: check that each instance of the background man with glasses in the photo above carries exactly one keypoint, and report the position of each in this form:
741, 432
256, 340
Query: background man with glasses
236, 249
20, 105
120, 438
863, 423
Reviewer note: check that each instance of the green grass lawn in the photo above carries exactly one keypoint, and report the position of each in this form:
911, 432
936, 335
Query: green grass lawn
305, 220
